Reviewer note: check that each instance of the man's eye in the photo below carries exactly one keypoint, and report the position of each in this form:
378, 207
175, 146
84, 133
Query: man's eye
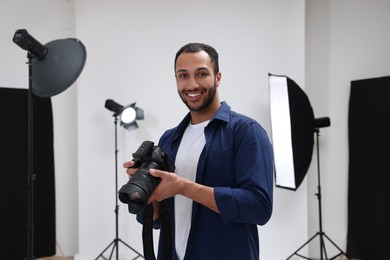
202, 74
182, 76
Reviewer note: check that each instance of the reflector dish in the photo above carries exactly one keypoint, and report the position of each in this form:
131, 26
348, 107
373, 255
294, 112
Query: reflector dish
59, 69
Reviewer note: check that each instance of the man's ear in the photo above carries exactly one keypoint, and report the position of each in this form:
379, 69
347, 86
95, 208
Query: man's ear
218, 78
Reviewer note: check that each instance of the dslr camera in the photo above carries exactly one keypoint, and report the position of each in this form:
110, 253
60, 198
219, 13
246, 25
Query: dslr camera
141, 185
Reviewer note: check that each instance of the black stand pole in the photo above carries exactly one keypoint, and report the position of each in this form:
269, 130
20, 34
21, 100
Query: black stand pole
115, 242
320, 233
30, 174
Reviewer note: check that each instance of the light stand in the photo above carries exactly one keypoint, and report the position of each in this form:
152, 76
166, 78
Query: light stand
52, 68
293, 124
320, 233
118, 109
30, 175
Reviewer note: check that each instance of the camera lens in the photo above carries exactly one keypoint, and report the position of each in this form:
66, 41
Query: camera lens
134, 196
139, 188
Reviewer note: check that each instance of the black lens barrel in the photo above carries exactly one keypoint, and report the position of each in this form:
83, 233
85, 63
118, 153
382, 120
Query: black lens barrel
138, 189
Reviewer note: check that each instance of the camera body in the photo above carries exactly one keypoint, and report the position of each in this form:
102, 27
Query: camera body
141, 185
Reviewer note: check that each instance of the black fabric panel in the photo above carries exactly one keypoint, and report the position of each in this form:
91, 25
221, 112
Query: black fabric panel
369, 169
302, 130
14, 171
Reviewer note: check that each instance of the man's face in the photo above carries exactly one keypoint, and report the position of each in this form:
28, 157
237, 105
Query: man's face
195, 79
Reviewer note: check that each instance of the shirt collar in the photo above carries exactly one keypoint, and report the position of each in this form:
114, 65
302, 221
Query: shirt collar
222, 114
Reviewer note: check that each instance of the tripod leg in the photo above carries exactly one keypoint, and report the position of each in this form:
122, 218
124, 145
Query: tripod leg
105, 249
138, 253
296, 252
322, 246
334, 244
113, 248
115, 245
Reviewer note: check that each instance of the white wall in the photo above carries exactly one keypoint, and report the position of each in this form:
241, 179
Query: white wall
131, 47
346, 40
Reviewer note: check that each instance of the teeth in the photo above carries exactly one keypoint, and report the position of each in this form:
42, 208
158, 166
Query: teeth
193, 94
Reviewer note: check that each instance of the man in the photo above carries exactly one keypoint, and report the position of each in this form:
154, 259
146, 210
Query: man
222, 186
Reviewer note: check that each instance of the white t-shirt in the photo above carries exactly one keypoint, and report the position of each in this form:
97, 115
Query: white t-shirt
186, 163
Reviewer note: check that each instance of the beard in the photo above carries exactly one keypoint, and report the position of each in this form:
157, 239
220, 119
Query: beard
209, 99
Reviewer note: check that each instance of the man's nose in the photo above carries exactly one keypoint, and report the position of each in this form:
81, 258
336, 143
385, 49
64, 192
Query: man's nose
193, 83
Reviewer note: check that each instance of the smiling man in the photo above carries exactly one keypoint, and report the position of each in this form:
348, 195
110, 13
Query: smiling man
197, 83
223, 183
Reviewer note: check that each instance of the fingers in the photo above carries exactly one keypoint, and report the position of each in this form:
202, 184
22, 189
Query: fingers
128, 164
130, 171
156, 173
167, 186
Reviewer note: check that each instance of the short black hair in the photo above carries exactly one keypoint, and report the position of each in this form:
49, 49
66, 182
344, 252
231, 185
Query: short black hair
197, 47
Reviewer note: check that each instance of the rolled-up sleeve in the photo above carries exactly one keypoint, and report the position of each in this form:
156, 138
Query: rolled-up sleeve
249, 198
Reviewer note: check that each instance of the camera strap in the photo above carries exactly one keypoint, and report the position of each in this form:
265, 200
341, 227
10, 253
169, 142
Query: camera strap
165, 233
147, 233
